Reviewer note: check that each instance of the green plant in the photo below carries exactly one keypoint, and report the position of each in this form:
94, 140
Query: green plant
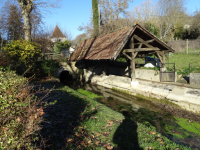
121, 59
20, 112
5, 68
23, 52
59, 46
49, 67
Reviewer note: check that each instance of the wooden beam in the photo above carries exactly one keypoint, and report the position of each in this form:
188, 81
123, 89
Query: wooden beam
135, 54
142, 41
126, 55
140, 45
147, 49
132, 42
149, 41
160, 53
141, 49
159, 57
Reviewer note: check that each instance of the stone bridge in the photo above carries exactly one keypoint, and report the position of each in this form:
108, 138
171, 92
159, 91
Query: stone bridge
67, 70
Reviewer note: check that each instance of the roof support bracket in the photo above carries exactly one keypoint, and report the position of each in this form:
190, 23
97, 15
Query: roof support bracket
142, 41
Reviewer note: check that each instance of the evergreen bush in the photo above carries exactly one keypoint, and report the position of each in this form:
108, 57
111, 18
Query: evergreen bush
59, 46
20, 112
49, 67
23, 52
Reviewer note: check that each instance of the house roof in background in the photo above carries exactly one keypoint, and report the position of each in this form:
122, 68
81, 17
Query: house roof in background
57, 33
110, 45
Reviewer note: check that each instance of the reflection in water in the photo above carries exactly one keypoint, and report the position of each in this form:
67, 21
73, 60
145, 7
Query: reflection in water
143, 111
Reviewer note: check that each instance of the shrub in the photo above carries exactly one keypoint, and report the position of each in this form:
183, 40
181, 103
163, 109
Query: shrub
59, 46
20, 114
23, 52
49, 67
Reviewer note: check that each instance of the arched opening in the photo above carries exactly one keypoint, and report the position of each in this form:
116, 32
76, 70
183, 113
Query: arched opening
65, 76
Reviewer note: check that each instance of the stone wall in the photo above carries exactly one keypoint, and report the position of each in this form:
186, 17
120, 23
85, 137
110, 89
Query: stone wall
195, 79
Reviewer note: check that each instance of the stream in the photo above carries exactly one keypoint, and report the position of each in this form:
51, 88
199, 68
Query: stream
178, 125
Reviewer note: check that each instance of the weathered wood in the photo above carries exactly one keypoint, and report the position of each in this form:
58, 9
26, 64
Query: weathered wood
142, 41
141, 49
133, 68
159, 57
132, 42
163, 54
132, 61
140, 45
149, 41
126, 55
135, 54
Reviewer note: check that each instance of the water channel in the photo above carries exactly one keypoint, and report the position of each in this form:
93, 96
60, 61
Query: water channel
178, 125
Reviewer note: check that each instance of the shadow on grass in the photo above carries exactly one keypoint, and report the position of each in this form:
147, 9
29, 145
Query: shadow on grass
62, 118
126, 136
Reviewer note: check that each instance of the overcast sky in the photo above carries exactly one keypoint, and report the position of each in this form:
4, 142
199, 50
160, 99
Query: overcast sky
75, 12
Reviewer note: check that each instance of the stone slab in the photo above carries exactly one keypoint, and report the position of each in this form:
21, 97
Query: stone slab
195, 79
177, 93
147, 75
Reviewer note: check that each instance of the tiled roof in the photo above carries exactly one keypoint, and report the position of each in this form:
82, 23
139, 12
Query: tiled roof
110, 45
57, 33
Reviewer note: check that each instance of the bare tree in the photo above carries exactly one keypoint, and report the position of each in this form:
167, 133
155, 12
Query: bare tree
27, 6
111, 12
145, 12
170, 13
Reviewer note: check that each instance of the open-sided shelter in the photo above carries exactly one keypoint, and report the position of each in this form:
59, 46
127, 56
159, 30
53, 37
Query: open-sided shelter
131, 42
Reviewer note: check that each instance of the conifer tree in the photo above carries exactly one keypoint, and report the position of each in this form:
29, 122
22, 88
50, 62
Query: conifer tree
95, 17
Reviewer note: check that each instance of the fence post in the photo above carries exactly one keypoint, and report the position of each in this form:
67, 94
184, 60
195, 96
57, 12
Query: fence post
187, 46
189, 68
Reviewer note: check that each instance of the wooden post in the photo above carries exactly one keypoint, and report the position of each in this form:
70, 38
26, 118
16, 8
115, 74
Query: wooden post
163, 53
132, 67
132, 61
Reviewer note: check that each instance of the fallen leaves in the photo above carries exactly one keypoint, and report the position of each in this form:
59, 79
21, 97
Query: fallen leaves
98, 134
152, 132
97, 143
109, 147
93, 108
70, 140
159, 139
110, 123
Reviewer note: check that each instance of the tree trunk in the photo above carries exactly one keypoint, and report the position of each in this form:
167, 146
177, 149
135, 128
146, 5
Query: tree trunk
27, 27
26, 7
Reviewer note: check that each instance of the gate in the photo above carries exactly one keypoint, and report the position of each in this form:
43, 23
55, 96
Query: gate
169, 74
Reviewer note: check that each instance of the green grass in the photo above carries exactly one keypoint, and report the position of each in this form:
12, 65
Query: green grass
88, 93
182, 62
89, 124
189, 126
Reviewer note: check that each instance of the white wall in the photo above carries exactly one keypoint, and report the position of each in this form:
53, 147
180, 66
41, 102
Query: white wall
57, 39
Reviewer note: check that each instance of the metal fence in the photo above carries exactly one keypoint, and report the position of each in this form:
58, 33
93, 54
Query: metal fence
50, 56
169, 74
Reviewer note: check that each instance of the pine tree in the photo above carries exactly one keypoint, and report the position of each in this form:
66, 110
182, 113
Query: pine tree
95, 17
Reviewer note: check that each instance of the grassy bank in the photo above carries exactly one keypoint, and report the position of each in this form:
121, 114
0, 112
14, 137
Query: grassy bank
79, 122
182, 62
